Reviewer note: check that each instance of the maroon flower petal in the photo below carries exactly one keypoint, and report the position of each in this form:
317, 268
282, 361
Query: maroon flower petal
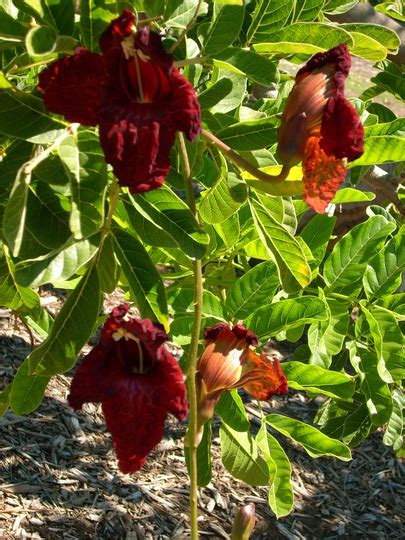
137, 141
73, 86
338, 57
135, 401
342, 131
185, 105
136, 414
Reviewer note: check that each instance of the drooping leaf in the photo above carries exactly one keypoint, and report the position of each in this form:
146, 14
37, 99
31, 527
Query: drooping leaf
231, 410
204, 465
241, 458
281, 496
314, 442
376, 391
393, 435
251, 135
144, 280
71, 329
388, 341
85, 165
27, 389
255, 66
383, 274
293, 269
224, 198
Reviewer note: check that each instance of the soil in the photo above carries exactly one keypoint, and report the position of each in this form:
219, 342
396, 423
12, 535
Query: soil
59, 476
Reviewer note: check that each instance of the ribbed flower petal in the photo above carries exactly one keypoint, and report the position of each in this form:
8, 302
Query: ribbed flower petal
263, 377
137, 141
342, 131
73, 86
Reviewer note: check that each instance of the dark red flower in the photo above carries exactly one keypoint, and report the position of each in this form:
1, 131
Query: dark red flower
320, 127
137, 382
135, 94
229, 361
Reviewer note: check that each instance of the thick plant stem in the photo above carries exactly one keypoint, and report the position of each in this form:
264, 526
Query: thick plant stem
193, 351
241, 162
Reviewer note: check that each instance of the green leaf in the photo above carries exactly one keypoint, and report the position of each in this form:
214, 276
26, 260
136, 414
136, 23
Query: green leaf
34, 124
271, 319
293, 269
317, 380
229, 231
304, 38
345, 266
353, 427
204, 464
5, 399
267, 18
108, 268
85, 166
215, 93
60, 266
166, 212
314, 442
326, 338
256, 67
391, 79
281, 209
307, 10
384, 149
388, 342
144, 280
376, 391
94, 18
40, 41
383, 274
15, 212
12, 295
181, 300
27, 389
281, 496
251, 135
316, 234
224, 198
235, 97
241, 458
394, 303
178, 13
224, 29
393, 435
395, 127
393, 9
231, 410
350, 195
71, 329
251, 290
12, 32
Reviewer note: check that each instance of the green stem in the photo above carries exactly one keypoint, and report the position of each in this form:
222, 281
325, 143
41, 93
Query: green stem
243, 163
193, 351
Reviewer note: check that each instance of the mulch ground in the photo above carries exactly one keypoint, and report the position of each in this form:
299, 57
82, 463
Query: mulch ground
59, 478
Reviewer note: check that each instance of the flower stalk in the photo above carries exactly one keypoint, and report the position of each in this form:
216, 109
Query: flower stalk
193, 351
242, 163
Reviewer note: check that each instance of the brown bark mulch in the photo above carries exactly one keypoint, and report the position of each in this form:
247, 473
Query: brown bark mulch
59, 478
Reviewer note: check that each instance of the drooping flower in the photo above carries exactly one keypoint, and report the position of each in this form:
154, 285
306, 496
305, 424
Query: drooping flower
137, 381
230, 361
135, 94
320, 127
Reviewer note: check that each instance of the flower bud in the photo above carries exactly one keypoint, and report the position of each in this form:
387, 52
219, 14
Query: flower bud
244, 523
